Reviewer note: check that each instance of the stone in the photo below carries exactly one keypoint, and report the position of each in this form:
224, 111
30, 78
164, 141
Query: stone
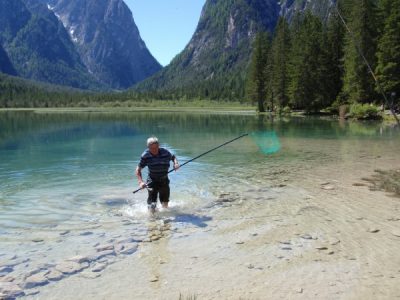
4, 270
69, 267
35, 281
79, 259
286, 242
306, 237
54, 275
7, 279
38, 240
334, 241
240, 242
396, 233
328, 187
153, 279
85, 233
65, 232
105, 247
321, 247
10, 290
286, 248
125, 241
99, 267
299, 290
373, 230
129, 249
98, 255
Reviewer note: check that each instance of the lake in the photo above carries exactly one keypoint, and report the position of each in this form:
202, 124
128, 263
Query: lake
66, 178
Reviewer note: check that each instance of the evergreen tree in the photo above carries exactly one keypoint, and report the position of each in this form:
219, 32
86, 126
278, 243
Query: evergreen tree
279, 64
308, 66
388, 54
256, 88
358, 84
334, 42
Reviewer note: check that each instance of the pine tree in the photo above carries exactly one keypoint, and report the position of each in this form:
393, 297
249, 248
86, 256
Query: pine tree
358, 84
256, 86
388, 54
308, 65
334, 42
279, 64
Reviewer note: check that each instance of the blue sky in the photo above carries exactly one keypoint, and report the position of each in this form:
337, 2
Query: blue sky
166, 26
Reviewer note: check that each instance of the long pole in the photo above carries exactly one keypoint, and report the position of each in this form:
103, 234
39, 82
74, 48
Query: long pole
190, 160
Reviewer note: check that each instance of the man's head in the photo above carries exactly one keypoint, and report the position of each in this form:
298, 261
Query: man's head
153, 145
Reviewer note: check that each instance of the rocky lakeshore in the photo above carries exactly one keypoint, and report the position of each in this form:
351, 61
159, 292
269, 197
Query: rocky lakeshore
323, 235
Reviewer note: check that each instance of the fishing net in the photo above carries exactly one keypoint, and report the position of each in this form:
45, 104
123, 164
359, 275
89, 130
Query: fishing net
267, 141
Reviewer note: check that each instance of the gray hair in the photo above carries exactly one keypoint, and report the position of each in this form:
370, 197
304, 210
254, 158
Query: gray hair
152, 140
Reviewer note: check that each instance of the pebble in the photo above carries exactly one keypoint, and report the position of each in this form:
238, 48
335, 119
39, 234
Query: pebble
129, 249
79, 259
65, 232
153, 279
286, 248
321, 248
299, 290
373, 230
99, 267
35, 281
328, 187
10, 290
250, 266
7, 279
98, 255
89, 274
5, 270
286, 242
396, 233
105, 247
306, 237
70, 267
54, 275
334, 242
37, 240
85, 233
240, 242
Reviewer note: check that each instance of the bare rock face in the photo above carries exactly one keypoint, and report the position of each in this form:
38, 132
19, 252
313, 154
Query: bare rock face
107, 39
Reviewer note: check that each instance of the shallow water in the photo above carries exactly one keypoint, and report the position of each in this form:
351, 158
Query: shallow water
66, 179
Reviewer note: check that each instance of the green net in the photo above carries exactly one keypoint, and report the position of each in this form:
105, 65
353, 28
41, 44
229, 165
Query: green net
267, 141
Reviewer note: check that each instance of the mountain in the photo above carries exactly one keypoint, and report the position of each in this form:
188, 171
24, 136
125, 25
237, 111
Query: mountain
88, 44
218, 54
220, 48
5, 63
107, 40
321, 8
39, 47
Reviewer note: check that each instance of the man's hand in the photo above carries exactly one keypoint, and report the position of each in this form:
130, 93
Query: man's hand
142, 184
176, 165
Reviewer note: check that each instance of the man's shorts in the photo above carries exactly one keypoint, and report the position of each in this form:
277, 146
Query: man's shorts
160, 188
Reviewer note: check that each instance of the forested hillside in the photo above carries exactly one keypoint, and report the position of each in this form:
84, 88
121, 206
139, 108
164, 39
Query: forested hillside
310, 65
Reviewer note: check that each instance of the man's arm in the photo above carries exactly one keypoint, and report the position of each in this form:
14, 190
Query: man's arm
176, 163
138, 172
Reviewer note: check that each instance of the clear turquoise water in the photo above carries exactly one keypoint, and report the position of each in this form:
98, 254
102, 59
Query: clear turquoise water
74, 172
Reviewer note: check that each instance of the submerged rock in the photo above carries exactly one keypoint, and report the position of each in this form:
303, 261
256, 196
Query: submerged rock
70, 267
54, 275
35, 281
10, 290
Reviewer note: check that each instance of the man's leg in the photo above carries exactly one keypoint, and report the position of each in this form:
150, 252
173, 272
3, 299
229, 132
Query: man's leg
152, 189
164, 194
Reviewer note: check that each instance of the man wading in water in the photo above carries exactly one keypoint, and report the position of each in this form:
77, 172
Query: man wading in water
157, 160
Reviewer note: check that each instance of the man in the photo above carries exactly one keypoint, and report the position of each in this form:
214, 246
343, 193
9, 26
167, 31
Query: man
157, 159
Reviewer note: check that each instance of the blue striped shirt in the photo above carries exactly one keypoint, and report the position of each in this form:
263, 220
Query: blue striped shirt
158, 164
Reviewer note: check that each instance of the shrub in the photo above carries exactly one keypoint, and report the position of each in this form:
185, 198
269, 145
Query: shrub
365, 112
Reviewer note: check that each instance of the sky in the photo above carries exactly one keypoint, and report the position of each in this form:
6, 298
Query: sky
166, 26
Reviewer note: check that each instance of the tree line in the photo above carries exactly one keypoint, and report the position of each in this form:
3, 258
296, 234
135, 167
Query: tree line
311, 66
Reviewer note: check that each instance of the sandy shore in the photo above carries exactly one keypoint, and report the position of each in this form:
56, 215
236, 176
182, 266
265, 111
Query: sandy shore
314, 232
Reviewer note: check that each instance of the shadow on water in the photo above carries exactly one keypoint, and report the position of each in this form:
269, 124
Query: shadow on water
199, 221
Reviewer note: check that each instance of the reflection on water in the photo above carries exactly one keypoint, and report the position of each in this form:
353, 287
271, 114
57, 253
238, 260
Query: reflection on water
67, 178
